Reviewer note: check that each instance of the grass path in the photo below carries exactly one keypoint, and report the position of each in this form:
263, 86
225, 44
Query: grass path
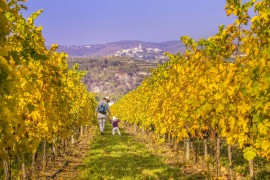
122, 157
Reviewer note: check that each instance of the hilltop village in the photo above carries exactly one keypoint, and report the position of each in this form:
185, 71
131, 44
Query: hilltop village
141, 53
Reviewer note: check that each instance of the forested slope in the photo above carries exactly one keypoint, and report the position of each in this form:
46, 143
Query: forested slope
113, 76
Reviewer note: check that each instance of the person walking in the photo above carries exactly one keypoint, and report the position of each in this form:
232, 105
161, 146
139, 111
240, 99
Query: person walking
101, 113
115, 122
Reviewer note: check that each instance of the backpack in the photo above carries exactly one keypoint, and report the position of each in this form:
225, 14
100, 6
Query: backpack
102, 108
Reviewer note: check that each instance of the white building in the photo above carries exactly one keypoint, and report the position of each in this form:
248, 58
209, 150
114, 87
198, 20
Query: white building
141, 53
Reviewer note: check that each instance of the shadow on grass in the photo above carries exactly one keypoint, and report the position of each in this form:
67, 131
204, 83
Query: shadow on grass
122, 157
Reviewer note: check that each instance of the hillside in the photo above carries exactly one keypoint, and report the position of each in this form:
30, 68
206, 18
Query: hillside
111, 48
112, 76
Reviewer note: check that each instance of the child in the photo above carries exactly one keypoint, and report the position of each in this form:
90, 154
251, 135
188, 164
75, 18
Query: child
115, 122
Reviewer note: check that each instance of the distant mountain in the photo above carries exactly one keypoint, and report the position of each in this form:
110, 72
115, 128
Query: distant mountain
111, 48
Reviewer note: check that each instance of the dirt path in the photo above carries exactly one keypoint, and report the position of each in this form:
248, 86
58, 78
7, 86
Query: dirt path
66, 166
74, 160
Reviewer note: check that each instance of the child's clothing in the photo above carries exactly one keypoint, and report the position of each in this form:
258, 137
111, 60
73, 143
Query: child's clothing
117, 129
115, 125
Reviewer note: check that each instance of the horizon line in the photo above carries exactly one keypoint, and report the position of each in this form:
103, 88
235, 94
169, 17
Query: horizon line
116, 42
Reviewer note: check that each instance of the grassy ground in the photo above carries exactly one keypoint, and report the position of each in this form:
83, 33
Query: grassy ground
122, 157
135, 156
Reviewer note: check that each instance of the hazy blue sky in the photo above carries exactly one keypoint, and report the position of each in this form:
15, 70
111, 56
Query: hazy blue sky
79, 22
